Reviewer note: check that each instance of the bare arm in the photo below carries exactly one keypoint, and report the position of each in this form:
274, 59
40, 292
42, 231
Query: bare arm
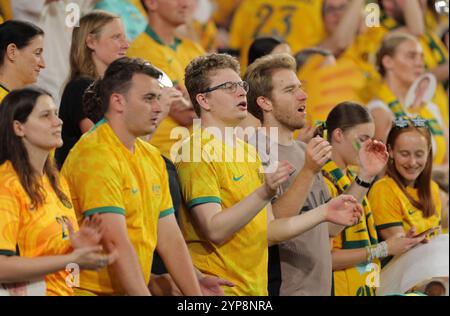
127, 268
397, 244
317, 153
20, 269
219, 226
347, 29
344, 209
414, 17
173, 250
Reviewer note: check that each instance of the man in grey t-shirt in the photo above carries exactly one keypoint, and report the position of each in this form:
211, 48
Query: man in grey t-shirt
278, 101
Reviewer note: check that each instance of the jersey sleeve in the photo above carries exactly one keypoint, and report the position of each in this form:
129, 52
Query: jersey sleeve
199, 183
95, 183
166, 207
9, 221
386, 208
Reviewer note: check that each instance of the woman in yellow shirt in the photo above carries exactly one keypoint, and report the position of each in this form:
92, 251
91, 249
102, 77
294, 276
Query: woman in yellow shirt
356, 251
21, 55
410, 199
37, 219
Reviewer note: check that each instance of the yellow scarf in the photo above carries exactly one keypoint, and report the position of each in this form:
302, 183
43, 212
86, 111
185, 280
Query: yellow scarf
353, 281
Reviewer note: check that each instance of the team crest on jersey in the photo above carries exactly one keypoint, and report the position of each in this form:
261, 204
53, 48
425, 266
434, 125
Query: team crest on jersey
156, 188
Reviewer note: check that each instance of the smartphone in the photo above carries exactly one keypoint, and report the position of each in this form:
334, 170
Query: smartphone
428, 231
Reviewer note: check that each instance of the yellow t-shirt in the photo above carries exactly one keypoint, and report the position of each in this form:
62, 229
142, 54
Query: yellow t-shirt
172, 60
35, 232
391, 207
243, 259
105, 177
286, 19
3, 92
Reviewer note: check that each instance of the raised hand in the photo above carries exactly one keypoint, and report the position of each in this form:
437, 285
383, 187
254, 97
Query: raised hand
306, 133
277, 178
343, 210
373, 157
90, 233
212, 286
317, 154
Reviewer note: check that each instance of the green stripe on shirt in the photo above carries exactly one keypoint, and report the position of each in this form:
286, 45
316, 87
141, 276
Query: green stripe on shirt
105, 209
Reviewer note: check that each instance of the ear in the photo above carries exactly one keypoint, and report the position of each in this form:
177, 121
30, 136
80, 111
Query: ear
152, 5
338, 135
264, 103
117, 102
202, 100
390, 151
90, 41
11, 51
19, 129
387, 62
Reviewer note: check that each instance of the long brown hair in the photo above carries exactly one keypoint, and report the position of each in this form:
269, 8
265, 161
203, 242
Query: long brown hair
17, 106
423, 181
81, 62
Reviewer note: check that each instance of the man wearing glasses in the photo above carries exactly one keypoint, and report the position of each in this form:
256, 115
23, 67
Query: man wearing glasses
227, 219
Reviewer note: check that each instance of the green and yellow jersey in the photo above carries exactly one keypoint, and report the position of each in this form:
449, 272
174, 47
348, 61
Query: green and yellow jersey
30, 231
105, 177
214, 174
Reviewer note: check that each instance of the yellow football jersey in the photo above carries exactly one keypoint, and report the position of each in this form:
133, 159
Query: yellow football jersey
285, 19
223, 10
352, 281
172, 60
212, 175
105, 177
3, 92
35, 232
394, 209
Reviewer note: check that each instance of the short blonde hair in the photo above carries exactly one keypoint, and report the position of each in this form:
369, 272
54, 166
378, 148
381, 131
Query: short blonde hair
259, 78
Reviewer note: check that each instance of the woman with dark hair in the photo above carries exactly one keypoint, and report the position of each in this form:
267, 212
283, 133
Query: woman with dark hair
267, 45
37, 222
411, 200
356, 251
21, 55
98, 41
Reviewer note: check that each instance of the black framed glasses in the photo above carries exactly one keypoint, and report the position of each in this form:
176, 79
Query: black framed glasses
229, 86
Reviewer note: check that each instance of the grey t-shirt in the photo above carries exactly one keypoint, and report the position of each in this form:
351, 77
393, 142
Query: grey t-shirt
305, 260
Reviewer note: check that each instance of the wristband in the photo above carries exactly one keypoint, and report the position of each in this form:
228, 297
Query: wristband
362, 183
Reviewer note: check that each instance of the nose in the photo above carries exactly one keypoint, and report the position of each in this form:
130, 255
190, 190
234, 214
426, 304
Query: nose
42, 62
302, 95
156, 108
125, 43
57, 120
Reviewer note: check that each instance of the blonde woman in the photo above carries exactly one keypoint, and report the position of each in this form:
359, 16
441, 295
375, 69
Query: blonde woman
97, 42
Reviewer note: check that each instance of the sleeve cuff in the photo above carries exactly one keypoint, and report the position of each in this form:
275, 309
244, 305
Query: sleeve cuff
167, 212
388, 225
9, 253
203, 200
105, 209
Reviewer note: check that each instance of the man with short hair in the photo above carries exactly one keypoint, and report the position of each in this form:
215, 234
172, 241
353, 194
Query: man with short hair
227, 219
159, 45
112, 172
302, 265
